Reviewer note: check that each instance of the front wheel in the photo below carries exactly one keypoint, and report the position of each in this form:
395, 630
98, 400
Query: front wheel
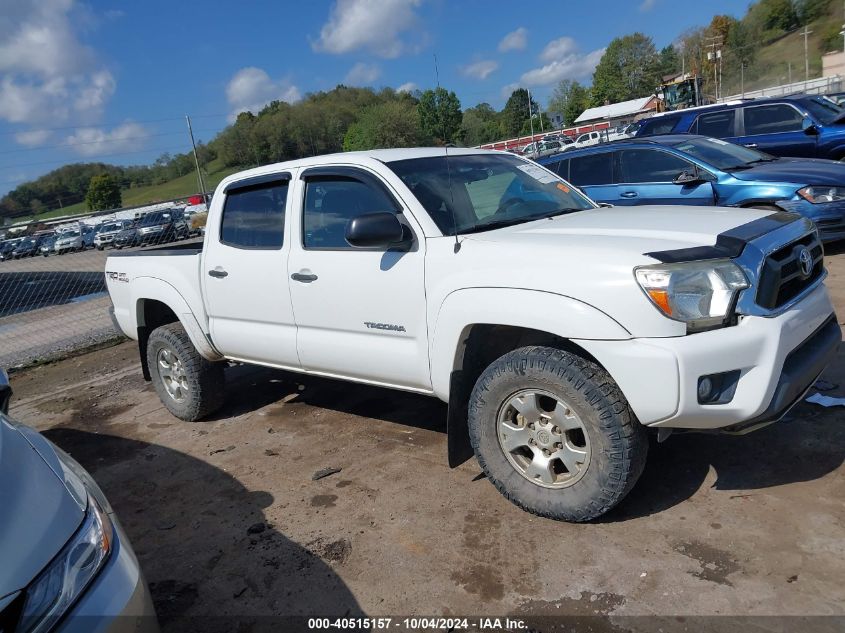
554, 434
188, 385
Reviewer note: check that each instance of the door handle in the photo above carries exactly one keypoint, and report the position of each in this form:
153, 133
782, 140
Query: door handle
751, 145
628, 194
218, 272
303, 277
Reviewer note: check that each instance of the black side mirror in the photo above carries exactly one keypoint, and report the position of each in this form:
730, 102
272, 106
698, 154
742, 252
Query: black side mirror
687, 178
5, 392
809, 127
377, 230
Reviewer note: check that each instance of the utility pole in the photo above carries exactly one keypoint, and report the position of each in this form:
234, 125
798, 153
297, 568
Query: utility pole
807, 31
742, 78
530, 114
196, 160
712, 56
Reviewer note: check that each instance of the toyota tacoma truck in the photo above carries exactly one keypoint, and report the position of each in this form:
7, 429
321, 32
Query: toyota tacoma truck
560, 333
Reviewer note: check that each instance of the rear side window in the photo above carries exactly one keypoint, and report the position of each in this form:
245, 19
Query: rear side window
718, 124
659, 125
593, 169
772, 119
560, 167
648, 165
254, 217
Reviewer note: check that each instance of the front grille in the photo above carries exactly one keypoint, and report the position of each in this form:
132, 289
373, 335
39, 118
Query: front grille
781, 278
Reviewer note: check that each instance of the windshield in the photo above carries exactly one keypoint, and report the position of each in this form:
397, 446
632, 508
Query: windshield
477, 192
151, 219
108, 228
71, 233
721, 154
823, 110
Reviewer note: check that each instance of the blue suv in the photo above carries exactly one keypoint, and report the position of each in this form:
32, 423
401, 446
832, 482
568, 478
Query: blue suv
684, 169
807, 126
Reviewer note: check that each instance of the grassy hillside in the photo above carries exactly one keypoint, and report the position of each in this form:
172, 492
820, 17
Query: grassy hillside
183, 186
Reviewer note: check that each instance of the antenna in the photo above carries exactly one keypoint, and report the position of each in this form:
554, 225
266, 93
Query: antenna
448, 168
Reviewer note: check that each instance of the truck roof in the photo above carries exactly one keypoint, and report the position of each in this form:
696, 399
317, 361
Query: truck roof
346, 158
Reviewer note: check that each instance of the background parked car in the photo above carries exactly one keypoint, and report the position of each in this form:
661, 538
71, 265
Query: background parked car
65, 555
682, 169
586, 140
542, 148
48, 244
69, 240
126, 237
162, 226
809, 126
27, 247
106, 232
6, 249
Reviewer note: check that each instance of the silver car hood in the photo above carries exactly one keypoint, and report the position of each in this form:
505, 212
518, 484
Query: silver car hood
39, 514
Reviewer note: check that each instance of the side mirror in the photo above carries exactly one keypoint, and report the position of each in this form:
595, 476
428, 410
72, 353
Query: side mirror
5, 392
376, 230
809, 127
687, 178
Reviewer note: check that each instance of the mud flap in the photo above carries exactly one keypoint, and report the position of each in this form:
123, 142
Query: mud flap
457, 432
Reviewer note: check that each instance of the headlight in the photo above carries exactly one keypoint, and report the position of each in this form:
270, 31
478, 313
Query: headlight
57, 587
697, 293
818, 195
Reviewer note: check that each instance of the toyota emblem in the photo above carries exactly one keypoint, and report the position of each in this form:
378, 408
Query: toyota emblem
805, 261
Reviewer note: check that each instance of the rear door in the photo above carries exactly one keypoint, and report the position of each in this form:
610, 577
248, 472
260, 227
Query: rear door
360, 312
245, 274
593, 174
646, 175
776, 128
720, 124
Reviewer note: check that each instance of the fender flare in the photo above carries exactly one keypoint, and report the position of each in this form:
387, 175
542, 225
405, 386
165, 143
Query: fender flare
155, 289
556, 314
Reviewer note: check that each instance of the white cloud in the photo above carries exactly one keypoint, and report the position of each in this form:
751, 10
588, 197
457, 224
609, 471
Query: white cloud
251, 88
571, 66
556, 49
647, 5
373, 25
481, 69
91, 141
46, 73
508, 90
361, 74
514, 41
407, 87
32, 138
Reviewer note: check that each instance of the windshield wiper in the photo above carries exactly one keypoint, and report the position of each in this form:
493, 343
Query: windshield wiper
498, 224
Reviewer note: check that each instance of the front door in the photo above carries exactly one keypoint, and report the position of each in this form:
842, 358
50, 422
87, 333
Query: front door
245, 275
777, 128
646, 177
360, 313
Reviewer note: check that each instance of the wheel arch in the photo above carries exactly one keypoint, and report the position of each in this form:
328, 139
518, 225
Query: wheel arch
158, 303
476, 326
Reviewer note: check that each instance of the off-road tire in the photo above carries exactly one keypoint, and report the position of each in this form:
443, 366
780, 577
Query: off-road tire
618, 442
205, 379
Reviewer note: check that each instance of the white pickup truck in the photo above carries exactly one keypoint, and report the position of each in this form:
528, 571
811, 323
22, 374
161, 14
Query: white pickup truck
559, 332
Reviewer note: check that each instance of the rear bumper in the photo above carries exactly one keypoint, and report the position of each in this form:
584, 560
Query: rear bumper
778, 358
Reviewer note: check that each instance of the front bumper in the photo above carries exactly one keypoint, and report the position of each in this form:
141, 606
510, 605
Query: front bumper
118, 599
778, 357
829, 217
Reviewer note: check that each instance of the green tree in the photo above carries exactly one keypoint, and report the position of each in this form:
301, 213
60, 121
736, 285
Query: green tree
389, 124
480, 124
668, 61
741, 43
103, 193
440, 115
627, 70
516, 112
569, 98
811, 10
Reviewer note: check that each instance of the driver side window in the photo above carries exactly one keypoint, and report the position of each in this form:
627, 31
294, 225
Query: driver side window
646, 165
331, 202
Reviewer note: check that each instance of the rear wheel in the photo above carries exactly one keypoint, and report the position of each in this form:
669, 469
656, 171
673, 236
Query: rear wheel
189, 386
555, 435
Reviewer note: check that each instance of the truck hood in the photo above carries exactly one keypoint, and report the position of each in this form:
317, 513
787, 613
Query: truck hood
803, 171
639, 229
39, 514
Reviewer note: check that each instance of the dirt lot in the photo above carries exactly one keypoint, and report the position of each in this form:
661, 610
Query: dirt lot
227, 521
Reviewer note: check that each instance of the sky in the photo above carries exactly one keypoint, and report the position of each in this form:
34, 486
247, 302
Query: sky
113, 81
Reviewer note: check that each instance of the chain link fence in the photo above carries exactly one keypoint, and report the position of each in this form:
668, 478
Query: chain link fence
53, 298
